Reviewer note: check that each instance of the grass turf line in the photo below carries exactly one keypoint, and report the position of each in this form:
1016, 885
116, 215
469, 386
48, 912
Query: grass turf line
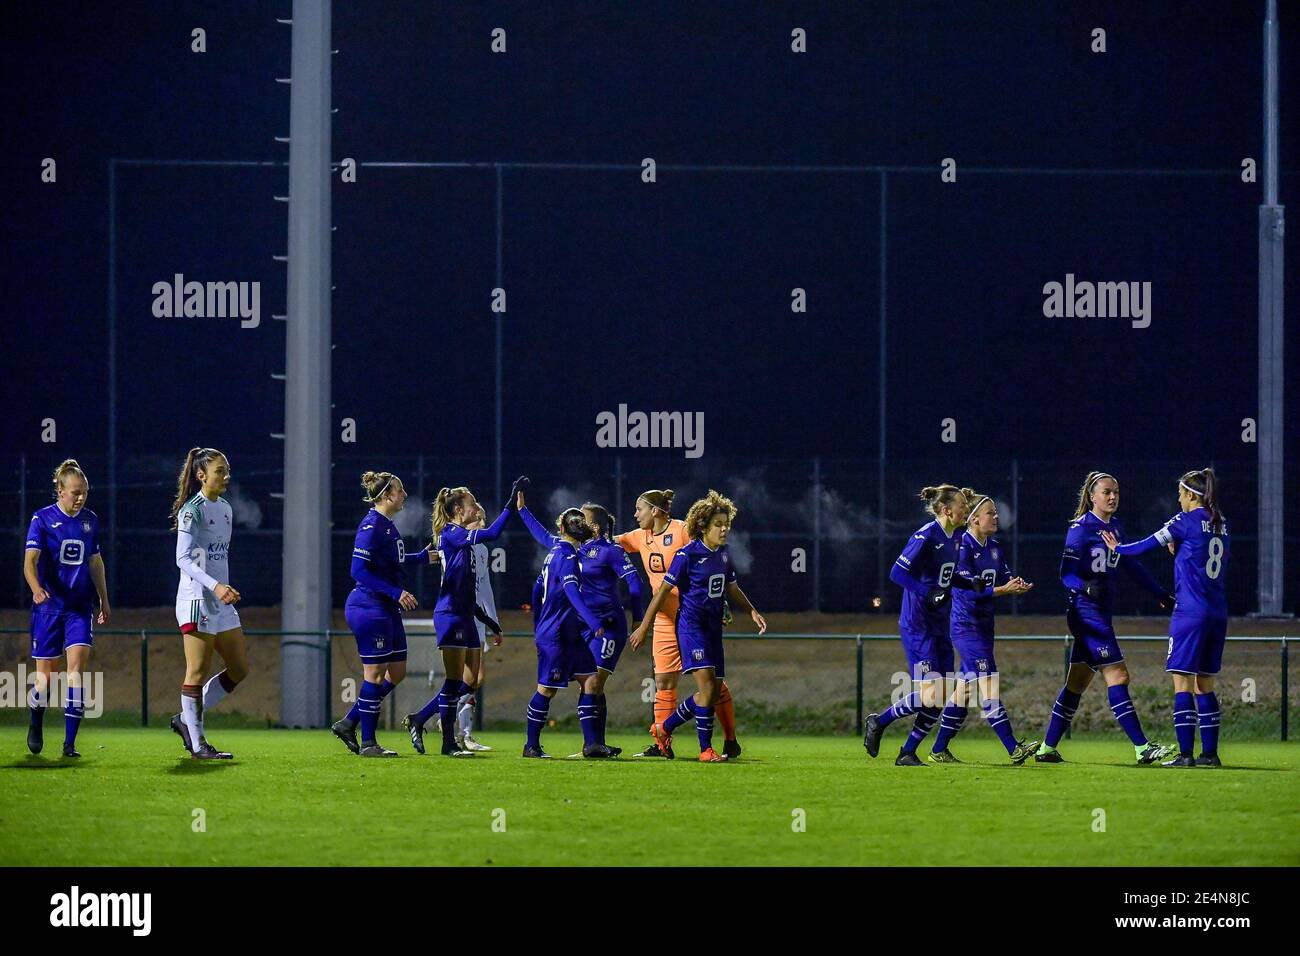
299, 798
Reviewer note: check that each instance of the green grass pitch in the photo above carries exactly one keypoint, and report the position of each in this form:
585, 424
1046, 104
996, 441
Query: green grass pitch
298, 798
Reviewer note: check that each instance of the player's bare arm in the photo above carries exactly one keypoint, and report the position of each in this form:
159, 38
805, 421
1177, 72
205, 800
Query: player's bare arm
736, 594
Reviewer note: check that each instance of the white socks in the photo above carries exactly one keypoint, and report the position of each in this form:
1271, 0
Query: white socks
214, 691
465, 714
192, 714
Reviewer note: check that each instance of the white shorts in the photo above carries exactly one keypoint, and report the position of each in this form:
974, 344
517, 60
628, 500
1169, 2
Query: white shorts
206, 616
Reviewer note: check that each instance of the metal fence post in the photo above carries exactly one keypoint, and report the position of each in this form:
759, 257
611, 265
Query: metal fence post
817, 536
859, 652
144, 678
329, 678
1067, 678
1286, 693
23, 515
618, 484
1015, 527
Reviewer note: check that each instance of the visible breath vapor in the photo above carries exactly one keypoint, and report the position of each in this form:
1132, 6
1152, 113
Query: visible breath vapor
247, 512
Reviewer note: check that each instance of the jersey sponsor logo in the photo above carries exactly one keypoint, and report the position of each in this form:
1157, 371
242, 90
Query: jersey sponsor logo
72, 551
656, 562
717, 582
945, 574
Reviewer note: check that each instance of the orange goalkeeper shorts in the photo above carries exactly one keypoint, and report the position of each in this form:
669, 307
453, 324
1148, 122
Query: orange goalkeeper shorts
667, 655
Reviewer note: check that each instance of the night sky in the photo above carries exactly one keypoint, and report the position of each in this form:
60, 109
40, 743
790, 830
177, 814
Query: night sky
674, 295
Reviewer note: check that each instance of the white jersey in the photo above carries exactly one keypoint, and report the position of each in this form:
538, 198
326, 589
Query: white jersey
483, 589
203, 549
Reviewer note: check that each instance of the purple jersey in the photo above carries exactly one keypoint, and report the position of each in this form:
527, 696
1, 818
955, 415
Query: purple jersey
701, 576
985, 567
926, 563
601, 565
66, 544
1199, 562
1088, 561
557, 620
459, 595
381, 551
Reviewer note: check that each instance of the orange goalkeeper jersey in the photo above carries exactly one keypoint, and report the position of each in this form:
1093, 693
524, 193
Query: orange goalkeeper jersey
657, 552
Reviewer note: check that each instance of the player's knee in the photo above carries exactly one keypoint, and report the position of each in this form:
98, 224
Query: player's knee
236, 671
547, 692
665, 681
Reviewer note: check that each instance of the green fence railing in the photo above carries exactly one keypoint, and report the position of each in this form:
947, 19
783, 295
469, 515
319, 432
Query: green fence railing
859, 640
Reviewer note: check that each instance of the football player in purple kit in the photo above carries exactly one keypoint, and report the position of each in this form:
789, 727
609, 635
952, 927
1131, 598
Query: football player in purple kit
1198, 538
65, 570
457, 608
1087, 568
925, 572
601, 566
705, 578
982, 562
374, 609
560, 611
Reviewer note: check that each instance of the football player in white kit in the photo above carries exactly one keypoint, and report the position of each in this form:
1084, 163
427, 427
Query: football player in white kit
205, 601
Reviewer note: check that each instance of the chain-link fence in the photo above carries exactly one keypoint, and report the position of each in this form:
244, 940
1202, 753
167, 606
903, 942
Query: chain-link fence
812, 535
782, 683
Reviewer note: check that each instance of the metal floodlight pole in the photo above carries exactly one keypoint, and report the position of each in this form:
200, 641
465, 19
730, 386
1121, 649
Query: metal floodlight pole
1269, 426
305, 603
